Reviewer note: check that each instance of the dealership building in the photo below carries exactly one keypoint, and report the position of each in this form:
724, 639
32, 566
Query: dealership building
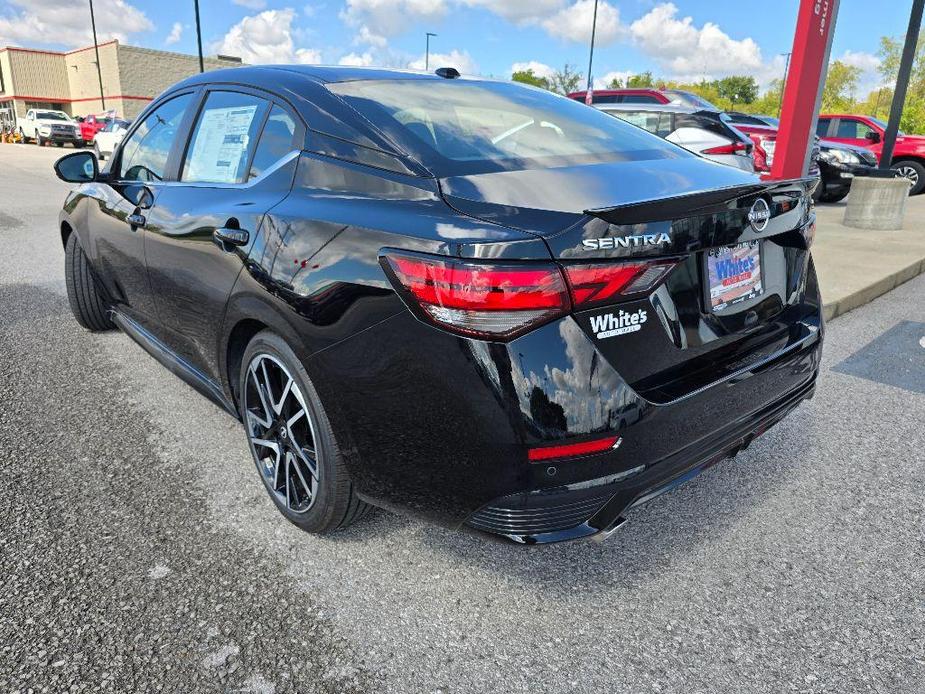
68, 81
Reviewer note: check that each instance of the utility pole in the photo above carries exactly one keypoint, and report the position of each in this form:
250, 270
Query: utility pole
199, 36
783, 84
902, 83
96, 47
588, 95
427, 52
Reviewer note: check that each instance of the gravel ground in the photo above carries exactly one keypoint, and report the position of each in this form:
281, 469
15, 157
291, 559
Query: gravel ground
139, 551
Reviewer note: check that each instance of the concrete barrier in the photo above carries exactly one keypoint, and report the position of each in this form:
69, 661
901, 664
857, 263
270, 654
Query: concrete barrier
877, 203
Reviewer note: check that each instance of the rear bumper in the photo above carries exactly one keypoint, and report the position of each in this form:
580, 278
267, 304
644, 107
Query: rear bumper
595, 509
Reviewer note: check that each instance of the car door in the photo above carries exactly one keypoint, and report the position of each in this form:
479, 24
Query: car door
115, 222
239, 162
852, 131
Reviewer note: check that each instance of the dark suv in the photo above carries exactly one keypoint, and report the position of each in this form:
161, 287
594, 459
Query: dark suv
467, 299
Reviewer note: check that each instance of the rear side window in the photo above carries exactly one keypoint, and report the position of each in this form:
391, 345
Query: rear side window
224, 138
822, 127
275, 141
640, 99
604, 99
144, 154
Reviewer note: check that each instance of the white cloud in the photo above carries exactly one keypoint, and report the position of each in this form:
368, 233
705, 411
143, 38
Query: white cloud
368, 38
461, 60
357, 60
390, 17
603, 82
266, 38
539, 69
251, 4
45, 22
682, 49
574, 23
519, 11
176, 33
869, 65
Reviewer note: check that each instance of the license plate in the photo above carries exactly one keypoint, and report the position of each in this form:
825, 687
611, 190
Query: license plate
734, 274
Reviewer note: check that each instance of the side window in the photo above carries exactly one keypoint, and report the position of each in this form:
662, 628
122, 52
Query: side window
144, 154
852, 129
224, 137
639, 99
604, 99
275, 141
822, 127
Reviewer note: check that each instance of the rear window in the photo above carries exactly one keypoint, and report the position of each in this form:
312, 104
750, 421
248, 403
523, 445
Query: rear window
461, 127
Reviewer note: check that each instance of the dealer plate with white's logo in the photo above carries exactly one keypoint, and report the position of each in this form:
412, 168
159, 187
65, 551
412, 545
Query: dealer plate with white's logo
734, 274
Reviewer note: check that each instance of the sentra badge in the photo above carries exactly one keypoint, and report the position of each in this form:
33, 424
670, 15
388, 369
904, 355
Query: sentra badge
613, 324
626, 241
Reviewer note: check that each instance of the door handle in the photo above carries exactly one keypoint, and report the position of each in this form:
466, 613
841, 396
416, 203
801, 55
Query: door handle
136, 220
230, 237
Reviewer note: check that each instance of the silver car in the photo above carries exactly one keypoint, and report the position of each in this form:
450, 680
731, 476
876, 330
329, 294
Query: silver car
700, 130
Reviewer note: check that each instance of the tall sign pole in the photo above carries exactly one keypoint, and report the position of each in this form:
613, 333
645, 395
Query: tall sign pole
589, 93
96, 47
809, 63
902, 83
199, 36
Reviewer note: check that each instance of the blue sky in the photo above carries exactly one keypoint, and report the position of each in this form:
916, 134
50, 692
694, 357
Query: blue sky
680, 38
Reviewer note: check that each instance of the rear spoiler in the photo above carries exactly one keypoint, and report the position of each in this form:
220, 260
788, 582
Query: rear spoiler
691, 204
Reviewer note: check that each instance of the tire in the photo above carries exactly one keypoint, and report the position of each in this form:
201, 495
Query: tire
39, 141
834, 197
332, 503
84, 294
912, 170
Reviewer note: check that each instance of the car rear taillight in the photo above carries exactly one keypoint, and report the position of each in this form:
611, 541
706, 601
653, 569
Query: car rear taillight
763, 152
478, 299
731, 148
608, 283
499, 301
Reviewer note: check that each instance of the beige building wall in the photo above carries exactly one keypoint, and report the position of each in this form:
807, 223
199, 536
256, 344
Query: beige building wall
132, 77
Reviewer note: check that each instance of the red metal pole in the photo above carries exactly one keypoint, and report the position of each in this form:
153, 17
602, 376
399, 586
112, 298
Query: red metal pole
812, 44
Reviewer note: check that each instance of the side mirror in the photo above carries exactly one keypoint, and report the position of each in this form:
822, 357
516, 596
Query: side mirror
78, 167
140, 196
872, 136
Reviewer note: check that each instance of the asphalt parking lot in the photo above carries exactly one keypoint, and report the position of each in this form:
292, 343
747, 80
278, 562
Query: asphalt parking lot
139, 551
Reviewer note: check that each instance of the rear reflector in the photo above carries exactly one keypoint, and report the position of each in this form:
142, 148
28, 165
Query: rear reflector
731, 148
605, 283
572, 450
476, 299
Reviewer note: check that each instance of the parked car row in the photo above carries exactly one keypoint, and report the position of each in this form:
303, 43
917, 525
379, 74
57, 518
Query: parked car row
48, 126
847, 146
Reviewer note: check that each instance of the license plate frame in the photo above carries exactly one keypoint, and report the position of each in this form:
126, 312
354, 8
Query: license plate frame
734, 275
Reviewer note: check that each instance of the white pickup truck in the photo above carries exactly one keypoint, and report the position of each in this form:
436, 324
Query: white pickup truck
45, 125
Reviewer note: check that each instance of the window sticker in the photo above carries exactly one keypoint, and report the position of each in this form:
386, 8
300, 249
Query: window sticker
220, 149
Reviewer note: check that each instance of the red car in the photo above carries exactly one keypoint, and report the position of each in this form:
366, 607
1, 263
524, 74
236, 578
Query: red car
91, 125
765, 139
644, 96
865, 131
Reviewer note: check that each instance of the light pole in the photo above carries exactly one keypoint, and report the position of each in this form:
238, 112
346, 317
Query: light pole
588, 97
780, 104
96, 47
199, 36
427, 52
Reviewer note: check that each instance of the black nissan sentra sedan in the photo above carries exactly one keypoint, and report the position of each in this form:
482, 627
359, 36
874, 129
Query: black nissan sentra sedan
472, 300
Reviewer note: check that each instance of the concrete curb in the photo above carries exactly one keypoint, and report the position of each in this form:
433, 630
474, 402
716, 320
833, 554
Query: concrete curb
872, 291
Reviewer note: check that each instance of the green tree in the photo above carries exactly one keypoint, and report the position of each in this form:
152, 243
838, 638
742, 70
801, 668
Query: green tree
566, 80
841, 83
615, 83
738, 89
530, 77
642, 80
913, 115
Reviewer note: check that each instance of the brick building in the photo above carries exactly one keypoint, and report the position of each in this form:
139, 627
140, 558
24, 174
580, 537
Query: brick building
67, 81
